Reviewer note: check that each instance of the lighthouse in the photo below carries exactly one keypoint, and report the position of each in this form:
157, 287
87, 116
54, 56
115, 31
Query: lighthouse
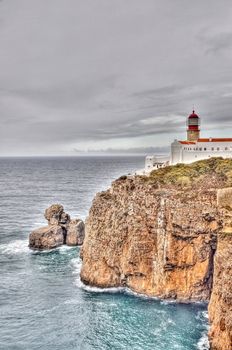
193, 127
190, 150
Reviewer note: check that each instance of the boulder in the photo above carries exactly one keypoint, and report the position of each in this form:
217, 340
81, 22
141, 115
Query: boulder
64, 219
55, 215
75, 232
60, 230
47, 237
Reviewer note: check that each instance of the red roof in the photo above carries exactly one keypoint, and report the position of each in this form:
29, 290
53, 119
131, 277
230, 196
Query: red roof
187, 142
206, 140
216, 140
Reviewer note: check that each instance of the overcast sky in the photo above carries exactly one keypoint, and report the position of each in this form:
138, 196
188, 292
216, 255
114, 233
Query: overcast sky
120, 74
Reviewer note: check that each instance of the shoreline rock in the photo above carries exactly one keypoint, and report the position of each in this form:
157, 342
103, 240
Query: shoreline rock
75, 232
48, 237
60, 230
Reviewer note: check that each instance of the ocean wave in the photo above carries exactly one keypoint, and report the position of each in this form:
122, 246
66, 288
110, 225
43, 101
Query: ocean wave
15, 247
111, 290
203, 343
64, 248
139, 295
202, 316
76, 264
205, 314
20, 246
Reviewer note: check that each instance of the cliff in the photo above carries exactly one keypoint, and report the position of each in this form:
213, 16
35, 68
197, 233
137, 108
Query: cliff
220, 306
158, 235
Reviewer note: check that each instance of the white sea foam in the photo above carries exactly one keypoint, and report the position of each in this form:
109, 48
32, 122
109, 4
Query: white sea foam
205, 314
76, 264
98, 290
203, 343
62, 249
21, 247
65, 248
15, 247
139, 295
202, 315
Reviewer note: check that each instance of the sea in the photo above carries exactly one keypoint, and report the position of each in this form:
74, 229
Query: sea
43, 304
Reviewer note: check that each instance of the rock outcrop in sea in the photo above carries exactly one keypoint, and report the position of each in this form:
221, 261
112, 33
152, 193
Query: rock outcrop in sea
61, 230
158, 235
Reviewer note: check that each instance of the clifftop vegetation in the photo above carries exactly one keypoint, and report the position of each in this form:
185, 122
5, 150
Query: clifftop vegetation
213, 171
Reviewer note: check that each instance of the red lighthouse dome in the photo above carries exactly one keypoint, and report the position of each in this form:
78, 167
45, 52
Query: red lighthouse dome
193, 115
193, 127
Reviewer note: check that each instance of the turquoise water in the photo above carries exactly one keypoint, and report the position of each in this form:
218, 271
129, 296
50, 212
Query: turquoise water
43, 304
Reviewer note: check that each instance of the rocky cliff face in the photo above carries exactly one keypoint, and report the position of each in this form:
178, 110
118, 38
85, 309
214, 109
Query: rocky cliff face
169, 236
220, 306
156, 235
157, 242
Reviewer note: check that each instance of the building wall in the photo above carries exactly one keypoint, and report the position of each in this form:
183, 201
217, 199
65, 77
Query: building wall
200, 150
176, 153
153, 162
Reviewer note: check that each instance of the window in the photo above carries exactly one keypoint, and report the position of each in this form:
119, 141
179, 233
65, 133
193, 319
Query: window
218, 149
205, 149
212, 148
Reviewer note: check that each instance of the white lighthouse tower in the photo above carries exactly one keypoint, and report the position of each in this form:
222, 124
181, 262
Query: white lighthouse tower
193, 127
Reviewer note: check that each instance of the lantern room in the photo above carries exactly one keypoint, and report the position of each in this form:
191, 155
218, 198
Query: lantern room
193, 127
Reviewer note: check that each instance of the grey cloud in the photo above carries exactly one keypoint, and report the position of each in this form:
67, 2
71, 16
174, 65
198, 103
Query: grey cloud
78, 72
218, 43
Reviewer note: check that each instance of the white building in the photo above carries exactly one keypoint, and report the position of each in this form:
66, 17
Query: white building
190, 151
193, 149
